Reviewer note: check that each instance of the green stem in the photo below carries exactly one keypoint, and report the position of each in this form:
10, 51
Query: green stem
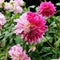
50, 44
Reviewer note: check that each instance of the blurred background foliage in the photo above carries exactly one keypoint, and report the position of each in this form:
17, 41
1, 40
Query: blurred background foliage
47, 49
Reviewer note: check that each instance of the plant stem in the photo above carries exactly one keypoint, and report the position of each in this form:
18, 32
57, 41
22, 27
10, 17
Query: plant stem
50, 44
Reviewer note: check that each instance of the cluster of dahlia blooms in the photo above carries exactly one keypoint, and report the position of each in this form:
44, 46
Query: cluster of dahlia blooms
13, 5
17, 53
31, 26
2, 20
47, 9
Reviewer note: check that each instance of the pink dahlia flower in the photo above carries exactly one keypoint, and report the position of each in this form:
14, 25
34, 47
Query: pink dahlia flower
8, 6
2, 20
31, 27
16, 5
16, 52
47, 9
19, 2
17, 9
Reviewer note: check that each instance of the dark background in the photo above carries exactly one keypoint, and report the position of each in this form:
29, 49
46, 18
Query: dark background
37, 2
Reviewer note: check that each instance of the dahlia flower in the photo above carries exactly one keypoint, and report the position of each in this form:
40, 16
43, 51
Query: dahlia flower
19, 2
2, 20
31, 27
47, 9
16, 52
8, 6
17, 9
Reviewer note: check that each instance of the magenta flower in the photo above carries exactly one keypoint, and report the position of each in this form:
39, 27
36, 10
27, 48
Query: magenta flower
16, 52
31, 27
47, 9
2, 20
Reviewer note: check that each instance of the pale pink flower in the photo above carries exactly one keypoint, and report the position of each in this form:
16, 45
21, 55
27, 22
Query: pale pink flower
31, 27
22, 24
47, 9
19, 2
7, 6
2, 20
59, 58
17, 53
17, 9
1, 0
17, 6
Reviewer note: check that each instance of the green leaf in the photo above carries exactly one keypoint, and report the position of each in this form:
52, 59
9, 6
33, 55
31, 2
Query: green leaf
58, 4
18, 40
